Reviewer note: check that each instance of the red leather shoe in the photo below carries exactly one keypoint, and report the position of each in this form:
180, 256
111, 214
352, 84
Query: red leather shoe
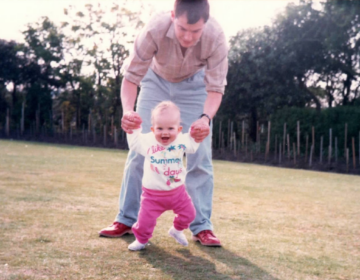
207, 238
115, 230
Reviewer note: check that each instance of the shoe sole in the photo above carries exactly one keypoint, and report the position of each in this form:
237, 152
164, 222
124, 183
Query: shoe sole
115, 236
206, 244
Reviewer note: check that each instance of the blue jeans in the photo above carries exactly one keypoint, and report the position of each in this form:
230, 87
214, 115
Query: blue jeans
189, 95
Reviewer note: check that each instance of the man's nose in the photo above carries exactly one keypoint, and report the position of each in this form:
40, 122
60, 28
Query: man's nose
188, 36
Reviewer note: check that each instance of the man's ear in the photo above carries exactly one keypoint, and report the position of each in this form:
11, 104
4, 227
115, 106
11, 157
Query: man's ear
172, 15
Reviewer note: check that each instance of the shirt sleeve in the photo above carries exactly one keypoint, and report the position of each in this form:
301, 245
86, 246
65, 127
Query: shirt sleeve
138, 63
217, 66
191, 145
136, 141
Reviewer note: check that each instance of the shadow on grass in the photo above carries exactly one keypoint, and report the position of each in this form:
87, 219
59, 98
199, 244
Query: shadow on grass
241, 267
187, 266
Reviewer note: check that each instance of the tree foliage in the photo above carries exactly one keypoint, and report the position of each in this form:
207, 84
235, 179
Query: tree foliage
308, 58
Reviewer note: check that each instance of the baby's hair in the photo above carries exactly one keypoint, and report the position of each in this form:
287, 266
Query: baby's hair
163, 106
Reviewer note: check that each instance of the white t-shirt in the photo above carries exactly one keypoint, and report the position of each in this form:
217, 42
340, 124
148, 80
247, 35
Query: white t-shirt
163, 167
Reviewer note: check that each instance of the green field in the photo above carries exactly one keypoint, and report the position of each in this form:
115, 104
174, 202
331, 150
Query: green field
274, 223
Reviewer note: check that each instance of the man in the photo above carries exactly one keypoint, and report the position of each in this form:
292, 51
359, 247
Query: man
182, 57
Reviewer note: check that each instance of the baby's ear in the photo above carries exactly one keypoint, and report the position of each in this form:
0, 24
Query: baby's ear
180, 128
152, 129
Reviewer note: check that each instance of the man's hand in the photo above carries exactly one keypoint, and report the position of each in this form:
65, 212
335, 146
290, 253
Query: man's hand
200, 129
130, 120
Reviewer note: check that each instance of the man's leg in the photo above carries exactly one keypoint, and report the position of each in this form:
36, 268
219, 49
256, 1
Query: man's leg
153, 90
190, 96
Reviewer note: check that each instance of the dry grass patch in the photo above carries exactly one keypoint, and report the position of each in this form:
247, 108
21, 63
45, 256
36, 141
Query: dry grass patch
274, 223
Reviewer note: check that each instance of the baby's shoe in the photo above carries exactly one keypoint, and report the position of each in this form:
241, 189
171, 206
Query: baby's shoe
136, 246
178, 235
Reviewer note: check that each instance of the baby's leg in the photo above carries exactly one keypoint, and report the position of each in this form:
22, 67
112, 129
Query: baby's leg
149, 211
185, 214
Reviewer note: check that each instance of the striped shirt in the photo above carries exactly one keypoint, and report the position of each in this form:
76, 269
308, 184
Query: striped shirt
158, 48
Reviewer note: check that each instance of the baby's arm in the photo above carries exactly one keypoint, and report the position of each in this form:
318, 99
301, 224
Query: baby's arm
136, 141
192, 145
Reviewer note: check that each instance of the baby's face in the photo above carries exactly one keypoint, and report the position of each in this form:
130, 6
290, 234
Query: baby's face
166, 126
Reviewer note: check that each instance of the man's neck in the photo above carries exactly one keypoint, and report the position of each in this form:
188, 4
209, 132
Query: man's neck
183, 50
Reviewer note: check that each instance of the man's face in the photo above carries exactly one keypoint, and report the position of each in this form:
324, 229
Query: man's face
187, 34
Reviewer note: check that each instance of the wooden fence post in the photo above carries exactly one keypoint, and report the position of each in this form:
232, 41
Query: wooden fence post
105, 135
257, 144
345, 136
112, 126
280, 153
298, 138
62, 121
89, 122
243, 134
311, 155
288, 145
228, 134
353, 148
321, 148
284, 138
330, 146
268, 141
22, 118
7, 129
222, 141
37, 116
306, 147
313, 137
115, 137
234, 143
276, 137
246, 145
294, 152
220, 133
336, 150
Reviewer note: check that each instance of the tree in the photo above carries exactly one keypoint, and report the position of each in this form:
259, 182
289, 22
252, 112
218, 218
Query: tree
98, 41
258, 80
43, 52
343, 45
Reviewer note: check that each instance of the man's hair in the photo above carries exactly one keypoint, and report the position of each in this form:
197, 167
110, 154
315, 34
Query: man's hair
194, 9
163, 106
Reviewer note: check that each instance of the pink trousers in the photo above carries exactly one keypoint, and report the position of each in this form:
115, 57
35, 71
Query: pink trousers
154, 203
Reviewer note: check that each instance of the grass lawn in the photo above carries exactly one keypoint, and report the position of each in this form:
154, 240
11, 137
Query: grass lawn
274, 223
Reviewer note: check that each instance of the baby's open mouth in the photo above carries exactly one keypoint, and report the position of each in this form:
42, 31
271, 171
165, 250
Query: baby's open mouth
165, 138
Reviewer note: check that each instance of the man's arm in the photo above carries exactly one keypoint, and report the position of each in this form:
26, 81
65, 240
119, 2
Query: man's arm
200, 129
130, 120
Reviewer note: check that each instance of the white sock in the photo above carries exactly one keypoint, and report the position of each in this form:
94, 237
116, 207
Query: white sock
178, 235
136, 246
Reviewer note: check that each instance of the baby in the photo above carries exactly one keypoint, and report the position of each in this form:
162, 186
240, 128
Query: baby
164, 174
